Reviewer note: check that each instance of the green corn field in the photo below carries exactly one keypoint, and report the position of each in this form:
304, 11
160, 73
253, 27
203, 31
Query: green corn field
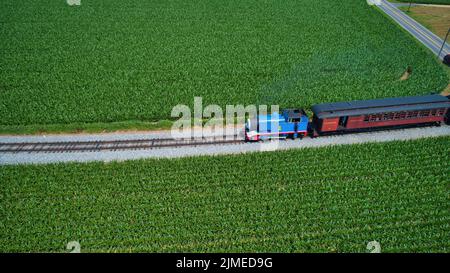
113, 61
334, 199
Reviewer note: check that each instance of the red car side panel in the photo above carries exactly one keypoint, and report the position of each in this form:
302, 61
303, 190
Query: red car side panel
329, 124
358, 122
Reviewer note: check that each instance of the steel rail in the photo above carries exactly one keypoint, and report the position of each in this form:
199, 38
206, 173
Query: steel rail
114, 145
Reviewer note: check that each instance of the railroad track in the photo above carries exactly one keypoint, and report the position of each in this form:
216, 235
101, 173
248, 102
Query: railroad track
114, 145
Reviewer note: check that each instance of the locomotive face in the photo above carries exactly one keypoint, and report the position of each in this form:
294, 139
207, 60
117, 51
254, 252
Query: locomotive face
251, 133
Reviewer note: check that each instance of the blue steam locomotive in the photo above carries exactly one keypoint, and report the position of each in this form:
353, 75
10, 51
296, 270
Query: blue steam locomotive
291, 123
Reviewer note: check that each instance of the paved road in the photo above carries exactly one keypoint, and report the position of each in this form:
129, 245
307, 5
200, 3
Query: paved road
426, 37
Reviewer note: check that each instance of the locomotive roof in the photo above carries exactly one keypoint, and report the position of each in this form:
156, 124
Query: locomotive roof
338, 109
294, 113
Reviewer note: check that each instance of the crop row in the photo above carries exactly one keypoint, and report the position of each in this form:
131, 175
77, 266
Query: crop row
136, 60
326, 199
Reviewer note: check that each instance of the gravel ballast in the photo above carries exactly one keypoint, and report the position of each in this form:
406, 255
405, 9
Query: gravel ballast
106, 156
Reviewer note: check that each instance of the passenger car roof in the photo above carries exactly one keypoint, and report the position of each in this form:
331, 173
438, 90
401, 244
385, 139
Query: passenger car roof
328, 110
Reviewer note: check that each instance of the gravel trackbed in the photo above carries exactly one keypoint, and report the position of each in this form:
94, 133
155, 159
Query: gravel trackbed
106, 156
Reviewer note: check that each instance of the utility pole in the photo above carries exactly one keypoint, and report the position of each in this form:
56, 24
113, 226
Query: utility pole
443, 44
409, 7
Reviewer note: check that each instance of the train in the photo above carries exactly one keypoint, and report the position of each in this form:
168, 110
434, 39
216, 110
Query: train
350, 117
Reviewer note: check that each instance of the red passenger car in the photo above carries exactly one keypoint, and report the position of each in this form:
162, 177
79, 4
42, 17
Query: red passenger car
368, 115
